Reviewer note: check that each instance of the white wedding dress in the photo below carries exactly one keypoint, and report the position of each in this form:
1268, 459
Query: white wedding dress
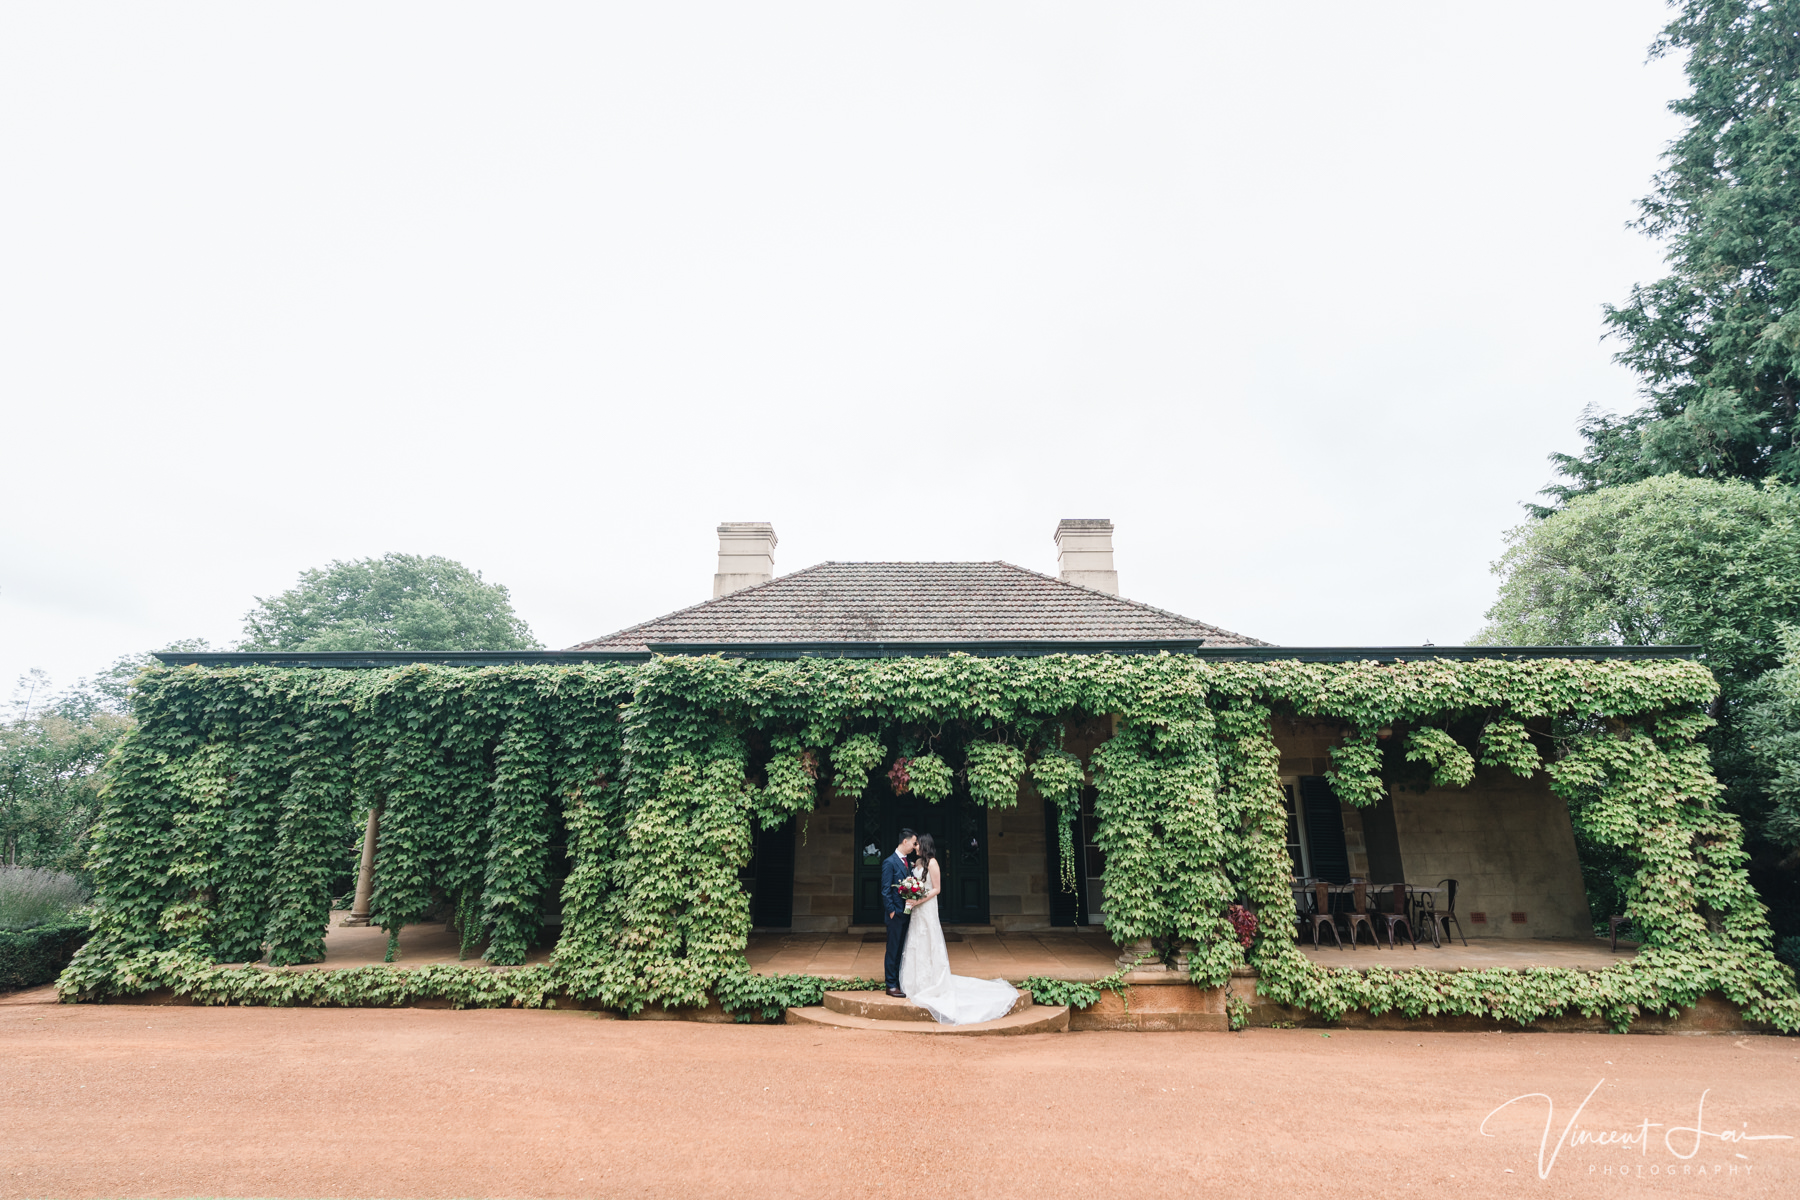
926, 979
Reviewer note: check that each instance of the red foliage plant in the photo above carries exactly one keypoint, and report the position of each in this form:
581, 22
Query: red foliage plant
1244, 921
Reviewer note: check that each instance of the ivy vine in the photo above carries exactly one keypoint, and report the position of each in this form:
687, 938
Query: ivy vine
615, 804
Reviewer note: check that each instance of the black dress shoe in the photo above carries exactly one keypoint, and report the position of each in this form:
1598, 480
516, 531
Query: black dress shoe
896, 993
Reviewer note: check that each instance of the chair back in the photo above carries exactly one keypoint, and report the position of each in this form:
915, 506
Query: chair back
1400, 899
1362, 896
1321, 897
1449, 896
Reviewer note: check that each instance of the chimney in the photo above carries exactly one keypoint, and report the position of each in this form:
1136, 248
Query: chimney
1084, 554
746, 556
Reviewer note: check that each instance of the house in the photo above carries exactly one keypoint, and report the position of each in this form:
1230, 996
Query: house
630, 811
1507, 841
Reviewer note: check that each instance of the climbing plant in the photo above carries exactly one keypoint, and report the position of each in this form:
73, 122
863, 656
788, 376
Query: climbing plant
1058, 776
603, 811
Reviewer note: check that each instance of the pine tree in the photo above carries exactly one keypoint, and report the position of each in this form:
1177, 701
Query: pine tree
1717, 340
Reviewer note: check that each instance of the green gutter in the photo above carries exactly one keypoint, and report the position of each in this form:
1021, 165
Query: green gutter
1196, 648
368, 660
354, 660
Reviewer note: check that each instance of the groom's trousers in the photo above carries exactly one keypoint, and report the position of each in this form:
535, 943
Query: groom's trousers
896, 931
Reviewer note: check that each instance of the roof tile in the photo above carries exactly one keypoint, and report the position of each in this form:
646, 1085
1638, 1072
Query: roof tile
916, 602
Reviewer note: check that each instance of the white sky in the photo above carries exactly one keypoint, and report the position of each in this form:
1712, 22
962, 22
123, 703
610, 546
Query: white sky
1299, 295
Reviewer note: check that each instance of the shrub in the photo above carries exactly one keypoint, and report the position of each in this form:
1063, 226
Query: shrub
31, 896
38, 955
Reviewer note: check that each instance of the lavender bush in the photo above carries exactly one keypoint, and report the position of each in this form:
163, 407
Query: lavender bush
31, 896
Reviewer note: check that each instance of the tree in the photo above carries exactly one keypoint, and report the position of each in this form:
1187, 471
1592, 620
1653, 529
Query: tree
53, 754
50, 778
396, 602
1667, 560
1675, 560
1717, 340
1771, 736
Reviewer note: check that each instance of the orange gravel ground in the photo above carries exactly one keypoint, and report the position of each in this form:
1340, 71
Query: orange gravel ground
127, 1100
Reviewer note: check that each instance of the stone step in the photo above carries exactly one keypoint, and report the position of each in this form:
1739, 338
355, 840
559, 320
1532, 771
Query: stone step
1039, 1018
879, 1006
881, 930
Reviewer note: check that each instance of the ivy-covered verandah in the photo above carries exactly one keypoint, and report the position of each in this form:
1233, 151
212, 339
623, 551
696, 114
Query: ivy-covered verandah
626, 794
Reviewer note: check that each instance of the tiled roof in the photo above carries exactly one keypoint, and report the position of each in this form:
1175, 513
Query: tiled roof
916, 602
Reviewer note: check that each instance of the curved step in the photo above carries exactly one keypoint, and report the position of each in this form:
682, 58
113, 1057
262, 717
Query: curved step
879, 1006
1038, 1018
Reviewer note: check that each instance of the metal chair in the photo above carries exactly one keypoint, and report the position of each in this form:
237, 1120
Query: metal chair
1359, 915
1446, 915
1398, 916
1321, 914
1612, 924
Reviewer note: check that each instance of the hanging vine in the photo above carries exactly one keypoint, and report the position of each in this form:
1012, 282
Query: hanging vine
1058, 776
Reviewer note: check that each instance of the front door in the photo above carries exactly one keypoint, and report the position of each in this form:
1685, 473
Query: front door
957, 825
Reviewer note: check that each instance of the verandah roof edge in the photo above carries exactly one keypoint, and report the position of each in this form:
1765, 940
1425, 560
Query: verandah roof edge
364, 660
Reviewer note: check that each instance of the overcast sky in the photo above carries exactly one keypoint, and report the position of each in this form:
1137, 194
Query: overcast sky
1299, 295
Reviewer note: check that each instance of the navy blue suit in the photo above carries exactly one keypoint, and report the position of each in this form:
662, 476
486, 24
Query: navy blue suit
893, 909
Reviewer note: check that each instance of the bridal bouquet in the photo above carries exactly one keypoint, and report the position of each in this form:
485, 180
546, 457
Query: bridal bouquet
912, 889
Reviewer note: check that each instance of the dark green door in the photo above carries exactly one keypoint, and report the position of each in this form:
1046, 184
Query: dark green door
959, 827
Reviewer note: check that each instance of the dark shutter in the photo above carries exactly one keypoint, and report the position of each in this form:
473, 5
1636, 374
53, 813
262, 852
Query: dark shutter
1065, 907
1382, 838
1324, 830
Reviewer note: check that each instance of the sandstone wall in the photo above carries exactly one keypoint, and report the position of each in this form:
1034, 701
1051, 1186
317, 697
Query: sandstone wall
1506, 841
1018, 871
823, 860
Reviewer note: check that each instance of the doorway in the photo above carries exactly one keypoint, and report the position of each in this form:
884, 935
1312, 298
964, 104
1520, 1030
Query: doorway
959, 827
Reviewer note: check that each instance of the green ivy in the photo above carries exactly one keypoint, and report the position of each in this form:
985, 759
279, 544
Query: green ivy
769, 996
994, 773
1062, 991
1451, 765
239, 794
856, 759
932, 779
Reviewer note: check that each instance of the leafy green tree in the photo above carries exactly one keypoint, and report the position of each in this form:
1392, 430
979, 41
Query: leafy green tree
110, 690
396, 602
50, 778
1772, 735
1667, 560
1674, 560
53, 754
1717, 340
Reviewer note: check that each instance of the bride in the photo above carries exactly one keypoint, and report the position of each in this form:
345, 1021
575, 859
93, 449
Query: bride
925, 965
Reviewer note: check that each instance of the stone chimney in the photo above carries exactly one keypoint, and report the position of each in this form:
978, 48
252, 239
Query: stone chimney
746, 556
1084, 554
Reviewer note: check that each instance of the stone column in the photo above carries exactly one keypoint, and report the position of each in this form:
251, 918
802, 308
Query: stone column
365, 875
1142, 948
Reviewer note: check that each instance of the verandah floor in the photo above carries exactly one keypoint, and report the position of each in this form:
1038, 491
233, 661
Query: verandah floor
1516, 953
1067, 954
366, 946
1057, 953
1011, 956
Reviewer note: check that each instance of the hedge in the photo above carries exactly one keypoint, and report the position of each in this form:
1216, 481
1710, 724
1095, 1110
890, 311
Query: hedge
29, 957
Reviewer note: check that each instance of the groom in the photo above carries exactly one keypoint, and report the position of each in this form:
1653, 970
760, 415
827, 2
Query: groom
893, 869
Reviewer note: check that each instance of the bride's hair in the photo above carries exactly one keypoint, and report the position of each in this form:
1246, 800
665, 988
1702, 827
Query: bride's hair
927, 850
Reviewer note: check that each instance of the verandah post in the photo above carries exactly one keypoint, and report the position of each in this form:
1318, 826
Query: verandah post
365, 875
